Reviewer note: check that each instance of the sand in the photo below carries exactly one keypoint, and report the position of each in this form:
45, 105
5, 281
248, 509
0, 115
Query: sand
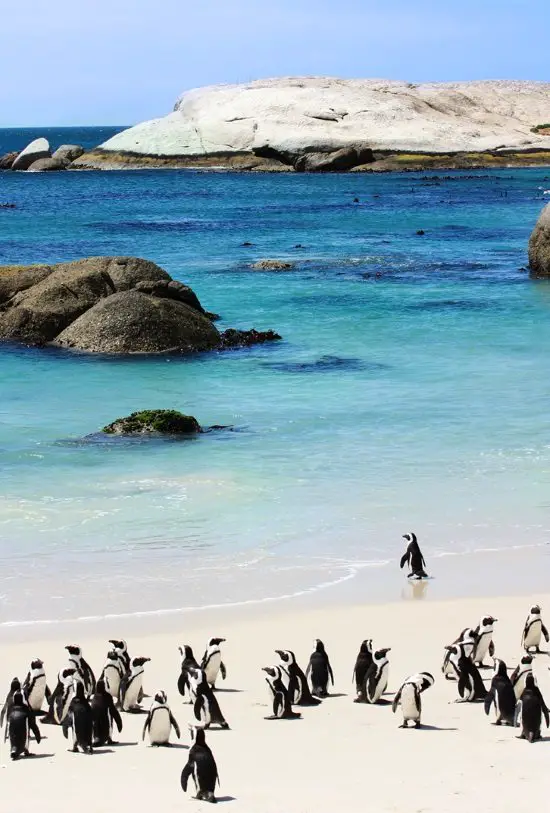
340, 756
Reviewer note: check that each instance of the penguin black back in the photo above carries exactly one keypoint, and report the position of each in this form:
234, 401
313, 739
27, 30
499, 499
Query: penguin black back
320, 669
298, 687
201, 765
531, 707
501, 695
413, 557
104, 714
21, 721
364, 660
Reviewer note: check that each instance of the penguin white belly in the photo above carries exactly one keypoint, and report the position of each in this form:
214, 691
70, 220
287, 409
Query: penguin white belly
382, 684
448, 669
213, 667
205, 717
482, 647
111, 676
285, 677
61, 709
132, 693
36, 696
159, 729
519, 685
534, 634
408, 703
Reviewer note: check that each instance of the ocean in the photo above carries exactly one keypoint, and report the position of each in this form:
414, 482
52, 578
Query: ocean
410, 392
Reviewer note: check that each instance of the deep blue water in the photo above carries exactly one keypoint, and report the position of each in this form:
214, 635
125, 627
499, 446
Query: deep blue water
410, 390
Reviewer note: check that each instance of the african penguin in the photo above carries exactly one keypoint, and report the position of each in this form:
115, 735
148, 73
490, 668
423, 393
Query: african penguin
530, 710
519, 675
201, 765
121, 649
468, 639
61, 696
408, 696
112, 673
280, 698
206, 707
21, 721
15, 686
188, 661
501, 695
105, 714
413, 557
484, 640
160, 721
533, 630
35, 687
80, 718
376, 679
131, 685
364, 660
76, 660
470, 684
320, 669
298, 688
212, 663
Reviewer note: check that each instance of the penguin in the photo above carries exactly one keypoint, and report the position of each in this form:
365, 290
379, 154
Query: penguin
188, 661
413, 557
121, 649
15, 686
160, 721
131, 685
364, 660
376, 679
206, 708
282, 707
201, 765
104, 714
530, 710
21, 721
484, 640
468, 639
533, 630
408, 696
80, 718
112, 673
298, 688
212, 663
320, 669
61, 696
519, 675
470, 684
76, 659
502, 695
35, 686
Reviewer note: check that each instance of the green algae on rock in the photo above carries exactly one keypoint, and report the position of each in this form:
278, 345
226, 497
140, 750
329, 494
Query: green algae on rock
154, 421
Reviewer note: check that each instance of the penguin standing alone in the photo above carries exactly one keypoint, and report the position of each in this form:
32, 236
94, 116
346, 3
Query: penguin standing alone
280, 698
160, 721
408, 696
533, 630
413, 557
35, 686
201, 765
502, 695
298, 688
21, 721
530, 710
376, 679
320, 669
364, 660
212, 663
105, 714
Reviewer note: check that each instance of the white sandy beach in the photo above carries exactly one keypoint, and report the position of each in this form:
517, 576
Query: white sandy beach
339, 756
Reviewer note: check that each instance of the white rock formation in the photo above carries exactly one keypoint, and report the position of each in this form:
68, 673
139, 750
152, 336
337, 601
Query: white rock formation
324, 114
39, 148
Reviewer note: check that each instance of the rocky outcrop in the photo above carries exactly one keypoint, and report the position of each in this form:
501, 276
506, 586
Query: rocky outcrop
272, 265
6, 160
539, 246
154, 421
338, 161
231, 338
280, 120
47, 165
39, 148
68, 152
109, 305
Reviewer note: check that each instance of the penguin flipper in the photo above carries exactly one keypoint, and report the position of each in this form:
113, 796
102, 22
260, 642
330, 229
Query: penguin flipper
33, 727
183, 683
66, 725
462, 683
174, 725
404, 559
545, 633
3, 713
546, 715
517, 713
223, 670
88, 672
491, 649
396, 700
489, 699
115, 716
330, 672
146, 726
47, 694
185, 774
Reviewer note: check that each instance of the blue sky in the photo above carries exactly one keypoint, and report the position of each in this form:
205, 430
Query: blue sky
122, 61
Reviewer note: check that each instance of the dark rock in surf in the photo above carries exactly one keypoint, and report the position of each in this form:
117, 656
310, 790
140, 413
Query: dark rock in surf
539, 246
272, 265
245, 338
6, 160
154, 421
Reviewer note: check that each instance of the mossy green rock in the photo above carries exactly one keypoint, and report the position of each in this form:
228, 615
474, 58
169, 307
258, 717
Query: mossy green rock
158, 421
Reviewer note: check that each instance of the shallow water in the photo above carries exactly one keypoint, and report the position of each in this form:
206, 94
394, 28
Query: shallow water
410, 390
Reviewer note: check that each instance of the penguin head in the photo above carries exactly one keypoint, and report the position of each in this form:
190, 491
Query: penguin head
366, 646
67, 675
216, 641
272, 671
487, 621
530, 681
100, 686
118, 644
140, 661
15, 685
380, 654
535, 610
18, 699
500, 668
74, 650
112, 655
286, 656
319, 645
527, 660
37, 664
186, 652
197, 734
410, 537
161, 698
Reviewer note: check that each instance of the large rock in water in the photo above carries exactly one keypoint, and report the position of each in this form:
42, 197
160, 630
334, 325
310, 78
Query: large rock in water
154, 421
109, 305
68, 152
301, 115
39, 148
47, 165
539, 246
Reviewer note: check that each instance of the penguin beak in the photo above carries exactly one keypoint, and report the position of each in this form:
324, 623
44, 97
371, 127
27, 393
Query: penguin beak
279, 652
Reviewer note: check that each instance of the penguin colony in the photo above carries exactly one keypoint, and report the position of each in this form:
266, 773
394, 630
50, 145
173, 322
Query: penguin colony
89, 710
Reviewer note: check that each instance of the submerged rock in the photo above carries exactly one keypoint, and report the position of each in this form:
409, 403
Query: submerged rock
272, 265
109, 305
157, 421
39, 148
539, 246
245, 338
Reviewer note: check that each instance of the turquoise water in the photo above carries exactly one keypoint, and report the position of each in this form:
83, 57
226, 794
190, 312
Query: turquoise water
410, 390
